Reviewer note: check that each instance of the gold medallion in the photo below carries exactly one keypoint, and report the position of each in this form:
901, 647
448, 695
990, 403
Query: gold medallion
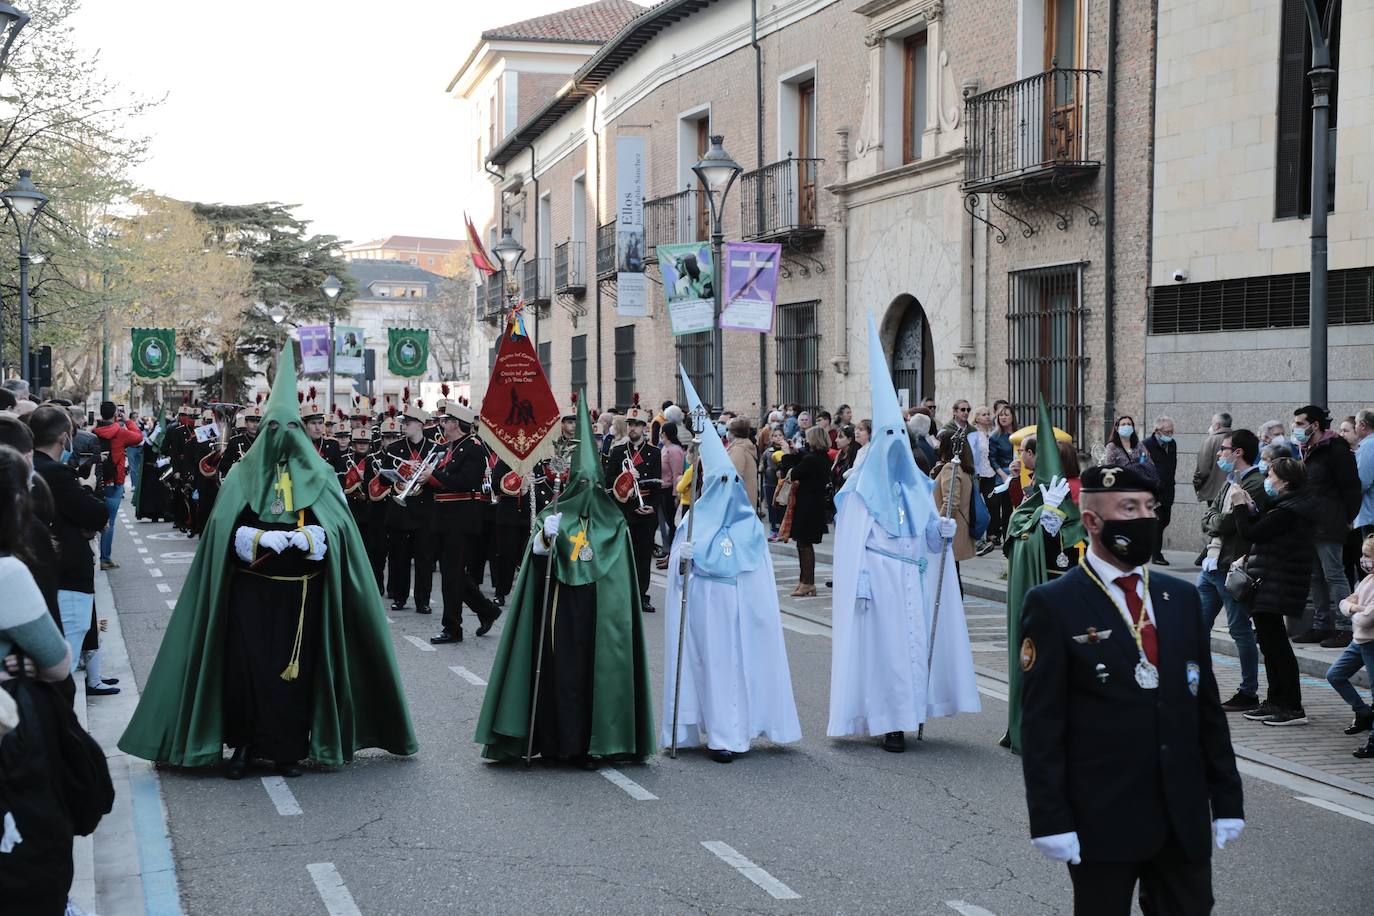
1027, 654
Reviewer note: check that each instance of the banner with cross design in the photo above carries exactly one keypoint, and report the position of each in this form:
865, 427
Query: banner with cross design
751, 286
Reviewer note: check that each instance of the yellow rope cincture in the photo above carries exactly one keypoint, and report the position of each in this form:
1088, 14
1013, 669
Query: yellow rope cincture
293, 666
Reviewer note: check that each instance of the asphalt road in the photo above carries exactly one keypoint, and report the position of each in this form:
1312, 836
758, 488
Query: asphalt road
823, 826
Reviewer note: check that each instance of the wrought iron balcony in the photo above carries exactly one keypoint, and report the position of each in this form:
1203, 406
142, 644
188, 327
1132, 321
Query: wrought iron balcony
605, 251
1033, 131
569, 265
537, 290
494, 298
778, 202
676, 218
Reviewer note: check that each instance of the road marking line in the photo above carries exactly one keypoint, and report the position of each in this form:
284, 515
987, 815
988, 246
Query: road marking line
155, 573
281, 796
467, 675
1339, 809
632, 788
171, 604
419, 643
804, 629
143, 550
727, 854
149, 560
163, 587
337, 900
967, 909
391, 620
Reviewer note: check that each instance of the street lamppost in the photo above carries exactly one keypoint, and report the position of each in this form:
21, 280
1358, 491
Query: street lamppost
331, 287
23, 203
510, 252
12, 22
1322, 76
717, 173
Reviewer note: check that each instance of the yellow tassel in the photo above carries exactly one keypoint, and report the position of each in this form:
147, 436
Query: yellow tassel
293, 667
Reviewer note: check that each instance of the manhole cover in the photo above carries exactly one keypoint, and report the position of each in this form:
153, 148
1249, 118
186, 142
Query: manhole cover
178, 555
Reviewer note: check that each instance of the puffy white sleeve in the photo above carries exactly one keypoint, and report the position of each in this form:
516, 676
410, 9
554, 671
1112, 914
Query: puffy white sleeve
246, 542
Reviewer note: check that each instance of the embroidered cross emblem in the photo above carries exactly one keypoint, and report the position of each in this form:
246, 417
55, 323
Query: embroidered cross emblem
578, 541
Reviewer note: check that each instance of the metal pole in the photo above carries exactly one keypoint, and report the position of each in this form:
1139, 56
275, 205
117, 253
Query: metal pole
1322, 75
957, 448
329, 410
547, 603
105, 354
717, 339
24, 368
684, 575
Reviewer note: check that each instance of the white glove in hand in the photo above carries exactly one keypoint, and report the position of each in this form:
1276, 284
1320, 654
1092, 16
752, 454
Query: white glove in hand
551, 526
243, 542
310, 540
275, 541
1056, 493
947, 527
1062, 847
1209, 564
1051, 521
686, 551
1227, 829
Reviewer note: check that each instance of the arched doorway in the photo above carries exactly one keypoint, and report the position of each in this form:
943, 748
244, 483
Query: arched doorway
911, 354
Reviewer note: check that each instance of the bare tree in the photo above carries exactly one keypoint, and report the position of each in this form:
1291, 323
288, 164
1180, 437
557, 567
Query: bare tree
448, 315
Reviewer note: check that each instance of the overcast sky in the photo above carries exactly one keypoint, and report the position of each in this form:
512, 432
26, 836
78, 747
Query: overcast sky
337, 105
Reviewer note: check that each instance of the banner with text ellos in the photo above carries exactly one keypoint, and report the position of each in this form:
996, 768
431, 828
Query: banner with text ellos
314, 348
632, 295
751, 286
688, 286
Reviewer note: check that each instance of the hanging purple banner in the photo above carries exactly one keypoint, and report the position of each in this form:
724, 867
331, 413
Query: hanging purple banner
751, 286
314, 348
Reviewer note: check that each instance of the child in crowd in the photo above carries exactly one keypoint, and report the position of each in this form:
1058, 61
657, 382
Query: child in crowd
1359, 607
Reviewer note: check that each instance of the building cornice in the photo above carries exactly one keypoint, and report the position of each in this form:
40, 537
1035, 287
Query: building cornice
953, 160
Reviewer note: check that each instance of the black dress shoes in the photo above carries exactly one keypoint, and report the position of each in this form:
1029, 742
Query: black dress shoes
423, 609
486, 623
444, 637
1361, 723
722, 756
894, 742
288, 768
645, 605
398, 605
237, 764
101, 691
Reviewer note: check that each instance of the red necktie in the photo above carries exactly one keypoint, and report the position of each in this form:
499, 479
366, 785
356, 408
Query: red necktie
1149, 640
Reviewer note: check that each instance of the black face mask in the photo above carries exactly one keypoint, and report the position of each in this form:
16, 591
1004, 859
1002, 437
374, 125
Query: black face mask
1130, 540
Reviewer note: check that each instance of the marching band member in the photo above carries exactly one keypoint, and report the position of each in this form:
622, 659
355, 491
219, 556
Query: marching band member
249, 418
367, 513
636, 467
312, 415
410, 526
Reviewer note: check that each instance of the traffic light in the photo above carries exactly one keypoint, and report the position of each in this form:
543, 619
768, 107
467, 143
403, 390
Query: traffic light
40, 369
364, 381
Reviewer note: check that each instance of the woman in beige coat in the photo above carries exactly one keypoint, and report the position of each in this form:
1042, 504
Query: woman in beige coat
945, 471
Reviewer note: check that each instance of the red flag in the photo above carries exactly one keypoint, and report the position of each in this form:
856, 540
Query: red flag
520, 416
480, 260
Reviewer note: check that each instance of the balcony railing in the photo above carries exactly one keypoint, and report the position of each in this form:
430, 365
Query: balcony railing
1032, 130
605, 251
676, 218
779, 201
494, 296
537, 288
569, 264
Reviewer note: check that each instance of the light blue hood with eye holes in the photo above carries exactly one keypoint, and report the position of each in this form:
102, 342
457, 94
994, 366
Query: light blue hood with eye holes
893, 489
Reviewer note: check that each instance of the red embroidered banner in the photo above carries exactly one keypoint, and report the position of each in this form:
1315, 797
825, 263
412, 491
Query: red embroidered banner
520, 416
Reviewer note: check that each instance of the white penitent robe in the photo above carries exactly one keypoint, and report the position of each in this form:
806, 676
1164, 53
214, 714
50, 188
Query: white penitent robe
882, 613
736, 685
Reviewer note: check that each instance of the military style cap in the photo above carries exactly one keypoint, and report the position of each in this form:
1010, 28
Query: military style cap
360, 435
1109, 479
389, 427
415, 412
462, 412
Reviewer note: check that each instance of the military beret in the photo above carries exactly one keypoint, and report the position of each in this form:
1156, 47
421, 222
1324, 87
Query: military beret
1111, 479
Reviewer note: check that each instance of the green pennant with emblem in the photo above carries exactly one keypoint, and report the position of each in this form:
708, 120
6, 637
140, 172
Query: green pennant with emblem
154, 353
407, 352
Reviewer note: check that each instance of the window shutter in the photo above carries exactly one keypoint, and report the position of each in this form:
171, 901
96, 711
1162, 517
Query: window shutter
1289, 178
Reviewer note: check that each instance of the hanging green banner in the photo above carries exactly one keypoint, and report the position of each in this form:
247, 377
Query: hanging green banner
407, 352
154, 353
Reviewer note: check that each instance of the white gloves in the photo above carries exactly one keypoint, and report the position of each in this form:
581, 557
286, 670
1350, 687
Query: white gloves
1062, 847
550, 533
1227, 829
1051, 521
1056, 493
947, 527
686, 551
1209, 564
243, 542
275, 541
310, 541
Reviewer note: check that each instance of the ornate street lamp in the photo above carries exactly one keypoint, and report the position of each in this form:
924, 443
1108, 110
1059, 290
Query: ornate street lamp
717, 172
331, 287
12, 21
510, 253
23, 202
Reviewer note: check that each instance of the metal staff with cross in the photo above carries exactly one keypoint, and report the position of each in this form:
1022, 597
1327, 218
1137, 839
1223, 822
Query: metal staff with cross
956, 450
699, 421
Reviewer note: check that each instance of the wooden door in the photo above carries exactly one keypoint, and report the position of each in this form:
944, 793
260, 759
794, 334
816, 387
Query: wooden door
703, 215
1064, 85
806, 153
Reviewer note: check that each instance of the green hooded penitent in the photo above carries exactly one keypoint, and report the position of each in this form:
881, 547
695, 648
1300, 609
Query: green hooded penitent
596, 637
357, 700
1028, 563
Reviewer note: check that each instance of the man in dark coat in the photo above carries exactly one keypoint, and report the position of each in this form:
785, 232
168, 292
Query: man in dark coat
1164, 453
1126, 753
646, 463
1333, 485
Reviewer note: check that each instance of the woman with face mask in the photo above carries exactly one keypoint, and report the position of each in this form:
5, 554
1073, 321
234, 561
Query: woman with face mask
1280, 560
1124, 449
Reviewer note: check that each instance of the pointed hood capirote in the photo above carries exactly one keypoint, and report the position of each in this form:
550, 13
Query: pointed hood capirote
897, 494
588, 511
727, 536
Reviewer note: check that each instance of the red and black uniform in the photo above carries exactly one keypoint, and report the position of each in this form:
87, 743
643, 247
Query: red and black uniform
459, 506
409, 530
647, 462
332, 453
512, 528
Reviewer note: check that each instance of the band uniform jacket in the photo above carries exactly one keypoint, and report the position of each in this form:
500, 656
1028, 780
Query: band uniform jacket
456, 484
238, 447
418, 512
1101, 755
332, 453
649, 467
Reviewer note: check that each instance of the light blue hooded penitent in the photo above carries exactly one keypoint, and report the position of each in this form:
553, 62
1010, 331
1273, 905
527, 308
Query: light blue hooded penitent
727, 536
897, 494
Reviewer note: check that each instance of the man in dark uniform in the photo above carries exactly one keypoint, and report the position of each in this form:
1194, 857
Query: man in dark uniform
1126, 754
513, 521
250, 418
482, 548
1164, 453
342, 433
176, 445
206, 457
366, 512
378, 488
312, 415
645, 462
459, 504
410, 527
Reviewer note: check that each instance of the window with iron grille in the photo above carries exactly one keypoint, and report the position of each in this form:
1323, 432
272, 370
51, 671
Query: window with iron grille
798, 348
1256, 303
491, 360
546, 359
694, 355
624, 365
1293, 121
1045, 353
577, 375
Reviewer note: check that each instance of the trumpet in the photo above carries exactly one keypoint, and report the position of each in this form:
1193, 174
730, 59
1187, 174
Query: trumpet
430, 462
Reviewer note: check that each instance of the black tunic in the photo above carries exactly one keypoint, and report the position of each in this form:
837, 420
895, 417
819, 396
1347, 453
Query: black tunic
267, 606
563, 728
